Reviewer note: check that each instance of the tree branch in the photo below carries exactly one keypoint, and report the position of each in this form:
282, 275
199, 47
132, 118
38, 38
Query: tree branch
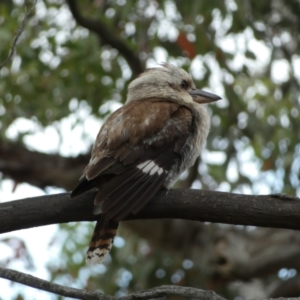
108, 37
19, 32
44, 285
158, 292
154, 293
166, 290
23, 165
278, 211
288, 288
243, 255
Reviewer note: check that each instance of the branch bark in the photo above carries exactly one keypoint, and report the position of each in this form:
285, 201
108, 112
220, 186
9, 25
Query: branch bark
154, 293
44, 285
23, 165
158, 292
108, 37
277, 210
288, 288
243, 255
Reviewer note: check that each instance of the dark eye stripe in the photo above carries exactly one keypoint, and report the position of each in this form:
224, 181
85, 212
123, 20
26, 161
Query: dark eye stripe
184, 84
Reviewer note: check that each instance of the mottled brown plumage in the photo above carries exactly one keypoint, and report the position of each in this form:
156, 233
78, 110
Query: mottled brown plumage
142, 147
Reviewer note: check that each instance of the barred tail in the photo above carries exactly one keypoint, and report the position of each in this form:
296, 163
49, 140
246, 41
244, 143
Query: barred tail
102, 241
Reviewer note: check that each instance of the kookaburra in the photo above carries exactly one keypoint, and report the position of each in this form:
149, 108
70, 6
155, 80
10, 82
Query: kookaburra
143, 147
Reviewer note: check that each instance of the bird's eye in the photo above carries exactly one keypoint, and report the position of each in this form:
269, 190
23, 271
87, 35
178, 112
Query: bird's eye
184, 84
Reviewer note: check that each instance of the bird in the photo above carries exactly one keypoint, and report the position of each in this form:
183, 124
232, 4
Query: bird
142, 148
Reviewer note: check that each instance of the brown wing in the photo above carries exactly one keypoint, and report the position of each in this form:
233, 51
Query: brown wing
134, 151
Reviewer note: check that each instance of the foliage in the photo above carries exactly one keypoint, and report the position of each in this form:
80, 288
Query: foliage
245, 51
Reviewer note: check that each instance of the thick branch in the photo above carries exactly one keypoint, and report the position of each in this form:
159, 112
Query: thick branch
108, 37
40, 169
279, 211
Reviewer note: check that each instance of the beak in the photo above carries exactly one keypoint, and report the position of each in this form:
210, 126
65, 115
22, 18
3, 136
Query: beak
200, 96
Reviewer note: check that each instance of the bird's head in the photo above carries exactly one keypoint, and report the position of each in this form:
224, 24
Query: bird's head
167, 82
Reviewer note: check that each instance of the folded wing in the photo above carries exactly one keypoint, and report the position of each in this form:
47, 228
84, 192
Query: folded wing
135, 150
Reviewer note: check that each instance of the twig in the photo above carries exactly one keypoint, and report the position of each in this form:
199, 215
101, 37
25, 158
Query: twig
19, 32
44, 285
166, 290
154, 293
108, 37
158, 292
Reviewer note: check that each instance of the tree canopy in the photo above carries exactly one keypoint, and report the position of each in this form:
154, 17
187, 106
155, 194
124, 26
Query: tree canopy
71, 68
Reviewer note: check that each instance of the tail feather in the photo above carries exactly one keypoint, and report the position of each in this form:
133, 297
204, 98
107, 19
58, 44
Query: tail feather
102, 241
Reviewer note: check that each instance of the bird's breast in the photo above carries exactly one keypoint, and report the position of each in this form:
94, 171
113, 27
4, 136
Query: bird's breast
192, 146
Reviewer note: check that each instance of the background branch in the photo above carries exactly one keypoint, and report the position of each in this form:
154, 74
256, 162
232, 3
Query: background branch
158, 292
45, 285
19, 32
181, 291
154, 293
279, 211
24, 165
108, 37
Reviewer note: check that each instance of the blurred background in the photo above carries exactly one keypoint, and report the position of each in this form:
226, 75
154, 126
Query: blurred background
71, 70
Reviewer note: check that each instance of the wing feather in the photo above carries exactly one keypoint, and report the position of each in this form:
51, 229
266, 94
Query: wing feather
136, 147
